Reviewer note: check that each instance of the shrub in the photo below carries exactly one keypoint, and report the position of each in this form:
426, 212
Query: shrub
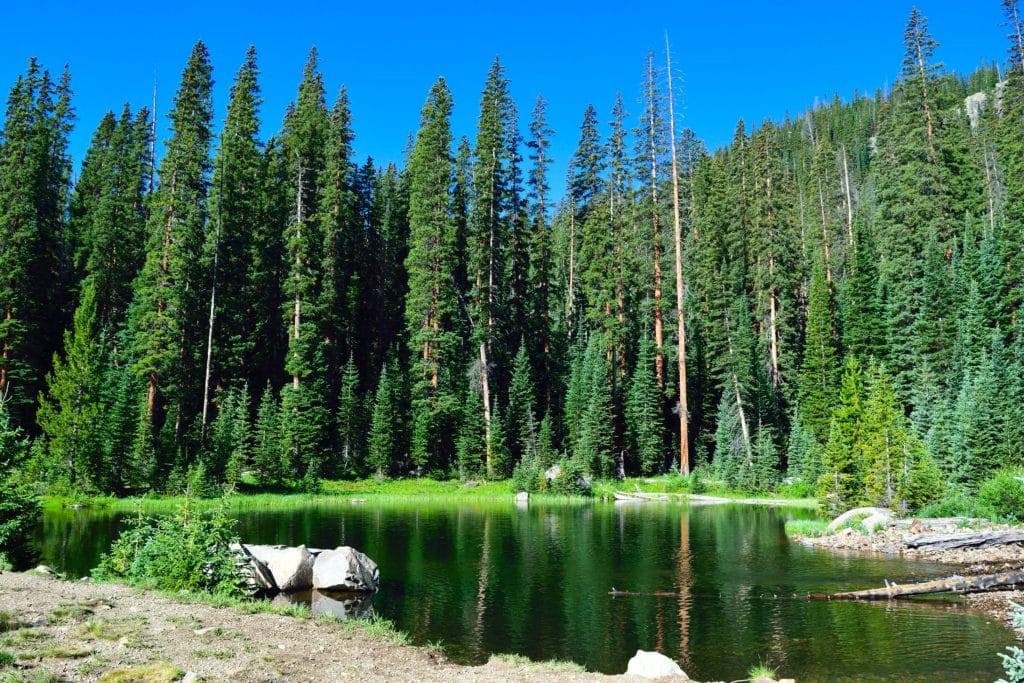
571, 481
1002, 496
184, 551
1013, 664
19, 510
956, 503
527, 476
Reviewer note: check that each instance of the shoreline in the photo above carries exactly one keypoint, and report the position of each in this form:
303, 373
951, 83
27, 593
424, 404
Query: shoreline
81, 631
892, 541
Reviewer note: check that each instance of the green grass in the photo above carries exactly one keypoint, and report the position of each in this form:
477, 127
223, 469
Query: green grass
761, 671
163, 672
806, 527
6, 659
342, 492
555, 665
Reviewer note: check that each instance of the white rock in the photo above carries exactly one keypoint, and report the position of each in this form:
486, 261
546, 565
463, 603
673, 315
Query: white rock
857, 512
345, 569
522, 497
875, 522
653, 665
292, 568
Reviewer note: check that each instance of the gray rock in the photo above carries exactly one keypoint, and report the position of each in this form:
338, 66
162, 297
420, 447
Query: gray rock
858, 512
875, 522
292, 568
342, 605
654, 665
522, 497
257, 578
345, 569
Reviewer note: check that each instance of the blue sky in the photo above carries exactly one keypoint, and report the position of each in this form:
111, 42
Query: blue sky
752, 59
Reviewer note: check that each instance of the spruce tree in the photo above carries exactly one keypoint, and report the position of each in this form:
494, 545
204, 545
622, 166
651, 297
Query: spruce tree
351, 427
165, 319
819, 369
236, 215
430, 303
644, 425
267, 446
71, 410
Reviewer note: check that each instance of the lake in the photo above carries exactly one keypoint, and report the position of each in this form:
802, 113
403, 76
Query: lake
494, 578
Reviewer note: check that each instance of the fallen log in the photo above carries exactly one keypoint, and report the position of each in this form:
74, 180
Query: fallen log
659, 594
957, 584
983, 539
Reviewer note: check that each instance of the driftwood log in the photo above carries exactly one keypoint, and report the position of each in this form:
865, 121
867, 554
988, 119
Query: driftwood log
984, 539
660, 594
959, 584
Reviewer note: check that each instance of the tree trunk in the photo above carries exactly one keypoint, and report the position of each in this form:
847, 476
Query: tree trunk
297, 314
486, 391
570, 304
959, 584
209, 332
684, 442
849, 200
984, 539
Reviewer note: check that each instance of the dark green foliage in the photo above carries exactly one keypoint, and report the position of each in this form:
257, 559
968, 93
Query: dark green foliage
229, 449
644, 424
268, 454
188, 550
819, 370
351, 423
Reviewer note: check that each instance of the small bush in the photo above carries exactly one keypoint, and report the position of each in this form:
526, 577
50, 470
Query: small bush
956, 503
188, 550
19, 510
812, 528
1013, 665
571, 481
1002, 496
527, 476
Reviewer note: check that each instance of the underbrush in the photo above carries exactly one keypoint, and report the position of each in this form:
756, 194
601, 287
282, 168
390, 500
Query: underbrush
811, 528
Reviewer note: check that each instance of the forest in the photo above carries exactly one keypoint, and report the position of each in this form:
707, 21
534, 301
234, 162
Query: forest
831, 302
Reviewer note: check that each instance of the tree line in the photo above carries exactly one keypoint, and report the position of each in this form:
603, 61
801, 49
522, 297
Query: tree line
835, 297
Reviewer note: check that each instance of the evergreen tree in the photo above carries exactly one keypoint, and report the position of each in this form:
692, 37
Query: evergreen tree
430, 306
382, 450
70, 412
644, 425
351, 424
236, 214
267, 447
818, 372
595, 446
35, 173
522, 420
165, 319
841, 482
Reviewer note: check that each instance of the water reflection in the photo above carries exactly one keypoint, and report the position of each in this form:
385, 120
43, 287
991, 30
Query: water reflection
725, 587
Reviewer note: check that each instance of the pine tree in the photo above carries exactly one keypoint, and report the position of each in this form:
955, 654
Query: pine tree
818, 371
430, 306
236, 213
841, 483
522, 420
165, 319
351, 424
595, 447
644, 424
382, 449
541, 256
70, 412
34, 178
267, 447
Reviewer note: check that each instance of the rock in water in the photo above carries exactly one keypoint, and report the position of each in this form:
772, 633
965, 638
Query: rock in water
523, 497
345, 569
342, 605
292, 568
654, 665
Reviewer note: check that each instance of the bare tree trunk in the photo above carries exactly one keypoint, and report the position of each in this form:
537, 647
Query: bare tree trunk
849, 199
684, 442
486, 391
659, 334
773, 338
824, 236
570, 304
297, 314
209, 330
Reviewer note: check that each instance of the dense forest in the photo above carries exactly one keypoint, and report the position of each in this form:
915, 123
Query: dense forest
834, 299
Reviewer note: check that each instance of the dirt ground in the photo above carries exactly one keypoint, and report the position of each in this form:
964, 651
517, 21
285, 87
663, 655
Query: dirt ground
72, 631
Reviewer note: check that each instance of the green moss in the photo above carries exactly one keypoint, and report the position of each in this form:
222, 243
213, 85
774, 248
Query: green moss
163, 672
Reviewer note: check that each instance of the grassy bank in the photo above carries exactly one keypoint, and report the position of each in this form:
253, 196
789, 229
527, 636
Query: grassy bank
405, 490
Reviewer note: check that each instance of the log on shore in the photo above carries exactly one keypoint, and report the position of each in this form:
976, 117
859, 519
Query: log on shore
984, 539
958, 584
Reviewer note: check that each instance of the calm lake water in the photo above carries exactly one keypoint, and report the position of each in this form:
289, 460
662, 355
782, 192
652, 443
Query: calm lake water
534, 581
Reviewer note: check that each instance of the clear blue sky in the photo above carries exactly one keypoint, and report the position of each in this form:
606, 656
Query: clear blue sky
751, 59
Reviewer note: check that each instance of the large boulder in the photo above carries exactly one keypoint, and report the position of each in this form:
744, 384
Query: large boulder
875, 522
256, 578
654, 665
292, 568
345, 569
849, 515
